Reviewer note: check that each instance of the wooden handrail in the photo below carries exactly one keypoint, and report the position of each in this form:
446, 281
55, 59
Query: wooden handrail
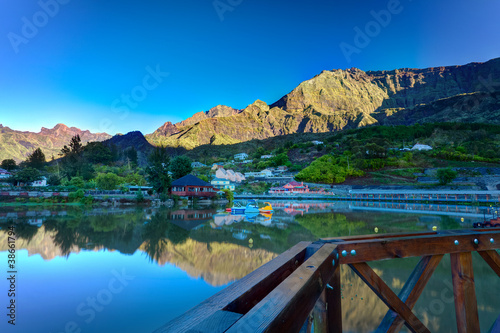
282, 294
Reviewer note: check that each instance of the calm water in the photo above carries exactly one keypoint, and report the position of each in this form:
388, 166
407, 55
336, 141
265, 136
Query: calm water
133, 269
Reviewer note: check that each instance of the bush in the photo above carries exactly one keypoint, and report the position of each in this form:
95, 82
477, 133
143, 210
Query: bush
229, 194
446, 176
139, 197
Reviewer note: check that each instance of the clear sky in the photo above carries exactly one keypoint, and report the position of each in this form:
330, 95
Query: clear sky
117, 66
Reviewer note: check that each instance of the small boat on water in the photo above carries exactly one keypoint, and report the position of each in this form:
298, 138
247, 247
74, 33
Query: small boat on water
238, 208
251, 208
268, 209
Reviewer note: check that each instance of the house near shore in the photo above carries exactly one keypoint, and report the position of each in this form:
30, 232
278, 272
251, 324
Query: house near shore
191, 186
222, 184
290, 188
42, 182
4, 174
235, 177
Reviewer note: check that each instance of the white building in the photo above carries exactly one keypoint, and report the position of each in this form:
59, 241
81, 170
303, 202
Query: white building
241, 156
265, 157
220, 184
266, 173
419, 147
40, 183
317, 142
230, 175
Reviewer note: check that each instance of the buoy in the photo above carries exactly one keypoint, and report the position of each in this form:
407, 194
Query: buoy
376, 230
434, 228
250, 241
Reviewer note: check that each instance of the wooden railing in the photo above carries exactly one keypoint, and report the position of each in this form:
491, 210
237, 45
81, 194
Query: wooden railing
304, 282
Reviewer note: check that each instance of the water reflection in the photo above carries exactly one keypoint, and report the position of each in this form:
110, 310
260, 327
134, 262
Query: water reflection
217, 247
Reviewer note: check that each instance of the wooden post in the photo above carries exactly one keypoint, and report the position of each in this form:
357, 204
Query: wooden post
334, 303
320, 319
464, 292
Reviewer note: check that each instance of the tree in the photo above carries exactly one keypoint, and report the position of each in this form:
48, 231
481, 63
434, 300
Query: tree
77, 182
108, 181
8, 164
75, 146
131, 154
36, 159
446, 176
26, 176
73, 163
229, 194
180, 166
97, 152
157, 170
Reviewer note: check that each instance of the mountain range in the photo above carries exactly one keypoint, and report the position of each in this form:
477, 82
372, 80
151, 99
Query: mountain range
19, 144
331, 101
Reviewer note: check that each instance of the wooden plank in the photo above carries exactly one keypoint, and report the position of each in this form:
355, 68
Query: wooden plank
218, 322
380, 249
385, 293
259, 282
287, 307
411, 291
377, 236
464, 292
493, 259
334, 302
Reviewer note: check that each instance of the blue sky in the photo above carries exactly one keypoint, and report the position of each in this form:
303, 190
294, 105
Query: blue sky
117, 66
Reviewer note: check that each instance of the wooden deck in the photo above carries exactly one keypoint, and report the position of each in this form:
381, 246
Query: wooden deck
302, 285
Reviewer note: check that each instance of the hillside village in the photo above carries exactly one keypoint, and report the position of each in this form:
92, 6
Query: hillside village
299, 167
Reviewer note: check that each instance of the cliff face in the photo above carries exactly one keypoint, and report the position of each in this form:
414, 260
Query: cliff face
340, 99
18, 145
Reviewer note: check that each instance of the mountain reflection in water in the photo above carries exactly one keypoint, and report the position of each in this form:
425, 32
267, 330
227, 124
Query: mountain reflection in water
210, 244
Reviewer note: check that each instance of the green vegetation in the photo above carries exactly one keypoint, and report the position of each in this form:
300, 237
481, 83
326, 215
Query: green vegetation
328, 169
157, 170
446, 176
228, 194
8, 164
180, 166
36, 159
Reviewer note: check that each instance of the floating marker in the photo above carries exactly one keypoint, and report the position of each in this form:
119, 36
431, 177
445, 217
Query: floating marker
434, 228
376, 230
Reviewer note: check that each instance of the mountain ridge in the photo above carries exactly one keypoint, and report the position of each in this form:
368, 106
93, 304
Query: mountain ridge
342, 99
19, 144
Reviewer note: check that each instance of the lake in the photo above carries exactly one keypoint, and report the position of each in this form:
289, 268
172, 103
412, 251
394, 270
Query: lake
132, 269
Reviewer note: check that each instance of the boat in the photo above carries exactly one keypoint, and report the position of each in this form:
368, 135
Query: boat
268, 209
238, 208
252, 207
